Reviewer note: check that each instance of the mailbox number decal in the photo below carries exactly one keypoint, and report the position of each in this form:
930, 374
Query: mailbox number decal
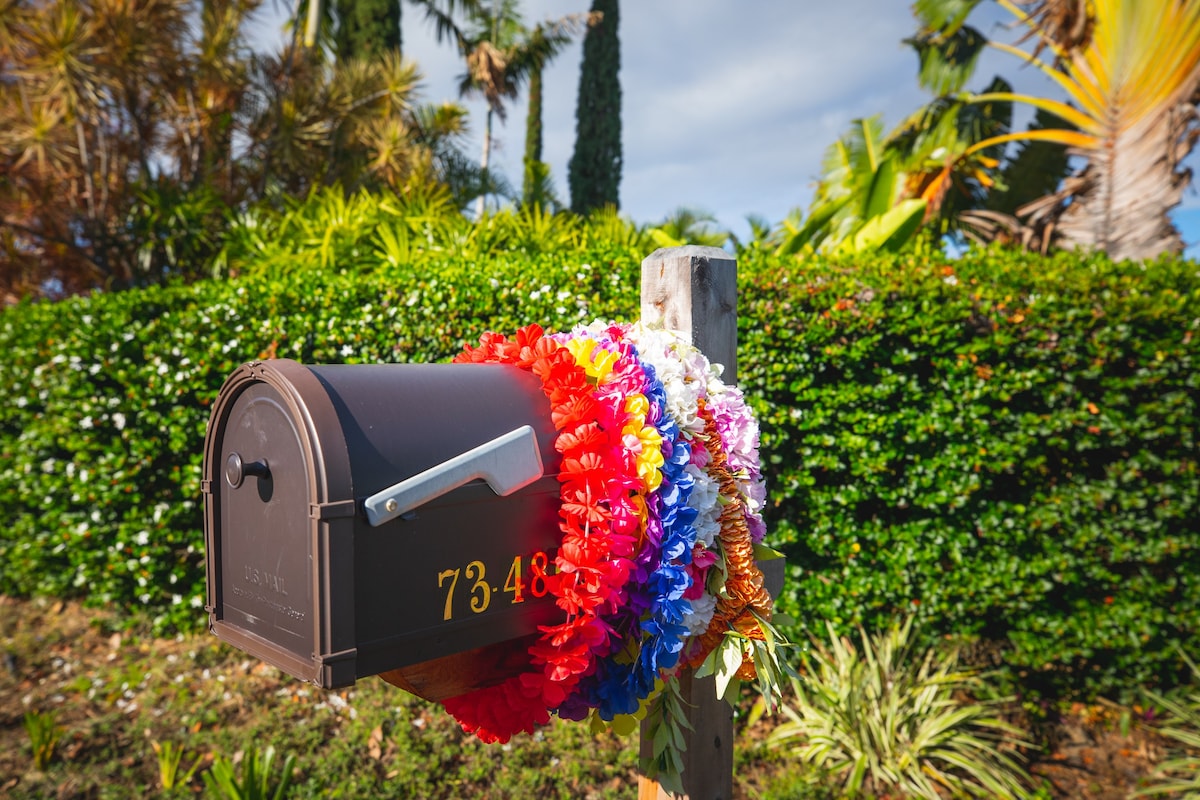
480, 591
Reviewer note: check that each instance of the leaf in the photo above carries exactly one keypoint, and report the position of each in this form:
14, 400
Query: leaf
891, 230
881, 191
730, 651
624, 724
947, 57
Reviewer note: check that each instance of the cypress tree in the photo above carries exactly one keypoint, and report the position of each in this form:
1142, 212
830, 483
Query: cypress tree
533, 119
594, 171
534, 185
366, 28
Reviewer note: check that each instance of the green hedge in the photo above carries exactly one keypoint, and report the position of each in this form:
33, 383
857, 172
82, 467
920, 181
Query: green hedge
1004, 445
101, 440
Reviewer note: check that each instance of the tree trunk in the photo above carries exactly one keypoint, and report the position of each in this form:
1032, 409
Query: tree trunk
1130, 187
481, 203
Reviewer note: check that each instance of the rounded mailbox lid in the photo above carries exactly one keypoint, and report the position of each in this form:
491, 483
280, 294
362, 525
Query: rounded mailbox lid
271, 453
266, 553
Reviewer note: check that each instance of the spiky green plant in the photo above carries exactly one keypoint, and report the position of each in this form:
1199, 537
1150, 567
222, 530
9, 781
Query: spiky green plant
44, 733
258, 780
885, 718
1181, 775
170, 758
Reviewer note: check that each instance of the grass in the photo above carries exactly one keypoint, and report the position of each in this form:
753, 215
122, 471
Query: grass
149, 718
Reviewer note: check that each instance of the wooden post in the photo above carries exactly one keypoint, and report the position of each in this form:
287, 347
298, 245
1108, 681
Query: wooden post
694, 290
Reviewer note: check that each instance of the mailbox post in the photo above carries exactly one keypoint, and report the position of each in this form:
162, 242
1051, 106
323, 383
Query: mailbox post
694, 290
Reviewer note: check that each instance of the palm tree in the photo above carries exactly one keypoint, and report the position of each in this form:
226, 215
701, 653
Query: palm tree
688, 226
501, 54
1131, 72
546, 41
128, 130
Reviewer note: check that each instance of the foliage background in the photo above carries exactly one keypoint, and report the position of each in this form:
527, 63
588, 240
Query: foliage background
1004, 445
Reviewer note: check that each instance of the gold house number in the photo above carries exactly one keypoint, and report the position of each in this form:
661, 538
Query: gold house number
480, 591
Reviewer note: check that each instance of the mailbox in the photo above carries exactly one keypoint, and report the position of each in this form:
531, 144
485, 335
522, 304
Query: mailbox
364, 519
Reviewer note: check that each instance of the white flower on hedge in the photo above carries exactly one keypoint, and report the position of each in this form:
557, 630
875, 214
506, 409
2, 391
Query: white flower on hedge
119, 420
196, 602
86, 423
48, 465
347, 351
144, 598
142, 538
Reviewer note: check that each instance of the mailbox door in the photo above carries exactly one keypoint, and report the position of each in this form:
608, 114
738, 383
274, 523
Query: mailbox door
267, 554
273, 460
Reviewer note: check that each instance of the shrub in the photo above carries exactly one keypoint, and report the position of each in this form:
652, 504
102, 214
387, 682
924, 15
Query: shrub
1005, 446
892, 718
102, 444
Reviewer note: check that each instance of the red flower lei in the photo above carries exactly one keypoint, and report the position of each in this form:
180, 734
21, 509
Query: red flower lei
594, 557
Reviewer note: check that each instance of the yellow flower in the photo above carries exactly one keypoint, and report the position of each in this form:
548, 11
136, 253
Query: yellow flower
637, 405
597, 363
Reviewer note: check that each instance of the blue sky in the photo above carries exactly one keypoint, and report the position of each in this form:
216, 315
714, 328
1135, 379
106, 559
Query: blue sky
728, 105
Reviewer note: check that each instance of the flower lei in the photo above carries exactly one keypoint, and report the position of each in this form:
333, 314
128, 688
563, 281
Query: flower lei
661, 493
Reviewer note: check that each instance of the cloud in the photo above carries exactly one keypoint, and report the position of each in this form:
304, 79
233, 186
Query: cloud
727, 106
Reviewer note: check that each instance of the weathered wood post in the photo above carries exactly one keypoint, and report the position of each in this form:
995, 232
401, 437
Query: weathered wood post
694, 290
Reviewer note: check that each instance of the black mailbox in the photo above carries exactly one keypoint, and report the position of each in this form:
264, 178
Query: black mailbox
363, 518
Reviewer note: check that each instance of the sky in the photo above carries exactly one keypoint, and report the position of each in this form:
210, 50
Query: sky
727, 105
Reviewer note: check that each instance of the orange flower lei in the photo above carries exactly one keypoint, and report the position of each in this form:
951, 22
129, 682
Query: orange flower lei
744, 595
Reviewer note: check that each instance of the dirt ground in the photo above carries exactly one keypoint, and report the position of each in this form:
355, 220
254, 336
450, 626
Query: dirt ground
55, 655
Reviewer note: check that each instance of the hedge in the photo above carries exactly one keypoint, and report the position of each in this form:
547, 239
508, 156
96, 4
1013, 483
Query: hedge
1003, 445
101, 442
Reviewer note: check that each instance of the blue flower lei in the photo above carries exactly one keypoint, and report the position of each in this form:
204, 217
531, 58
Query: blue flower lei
656, 605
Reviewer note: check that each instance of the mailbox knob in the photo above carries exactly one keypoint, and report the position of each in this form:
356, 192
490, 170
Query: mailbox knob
236, 470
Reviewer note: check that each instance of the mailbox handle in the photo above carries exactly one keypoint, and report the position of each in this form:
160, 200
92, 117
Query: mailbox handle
508, 463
